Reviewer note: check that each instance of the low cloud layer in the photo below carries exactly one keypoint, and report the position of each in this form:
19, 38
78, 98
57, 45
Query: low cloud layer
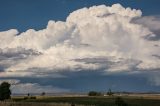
109, 38
24, 88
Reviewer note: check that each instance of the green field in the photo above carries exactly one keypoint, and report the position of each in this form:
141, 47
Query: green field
95, 101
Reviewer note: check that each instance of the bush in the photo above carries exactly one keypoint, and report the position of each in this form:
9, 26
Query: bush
94, 93
32, 97
25, 98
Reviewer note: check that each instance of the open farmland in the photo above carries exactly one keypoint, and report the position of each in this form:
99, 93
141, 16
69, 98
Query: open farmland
84, 101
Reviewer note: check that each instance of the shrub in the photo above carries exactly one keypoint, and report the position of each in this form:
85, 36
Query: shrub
25, 98
32, 97
94, 93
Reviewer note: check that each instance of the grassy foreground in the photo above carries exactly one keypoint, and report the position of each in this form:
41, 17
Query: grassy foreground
84, 101
34, 104
81, 101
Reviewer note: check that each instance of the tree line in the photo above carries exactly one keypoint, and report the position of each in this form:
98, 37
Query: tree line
5, 93
95, 93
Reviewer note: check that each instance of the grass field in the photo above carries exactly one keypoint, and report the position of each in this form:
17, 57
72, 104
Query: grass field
85, 101
34, 104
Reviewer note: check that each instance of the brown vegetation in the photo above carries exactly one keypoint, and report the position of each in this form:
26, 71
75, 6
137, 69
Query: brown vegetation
35, 104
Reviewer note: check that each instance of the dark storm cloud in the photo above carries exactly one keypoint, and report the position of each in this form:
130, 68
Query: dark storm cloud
84, 81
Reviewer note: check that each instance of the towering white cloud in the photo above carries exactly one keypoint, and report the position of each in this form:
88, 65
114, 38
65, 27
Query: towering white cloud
99, 37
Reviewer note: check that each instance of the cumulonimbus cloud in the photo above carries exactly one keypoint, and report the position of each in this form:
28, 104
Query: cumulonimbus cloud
99, 37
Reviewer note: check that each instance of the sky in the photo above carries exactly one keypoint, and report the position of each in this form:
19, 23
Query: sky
27, 14
58, 46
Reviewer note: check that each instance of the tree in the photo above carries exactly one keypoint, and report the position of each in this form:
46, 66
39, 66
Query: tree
110, 93
28, 94
5, 92
43, 94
